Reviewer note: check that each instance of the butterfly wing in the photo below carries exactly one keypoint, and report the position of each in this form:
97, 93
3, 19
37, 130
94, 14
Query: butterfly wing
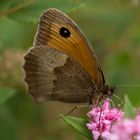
60, 67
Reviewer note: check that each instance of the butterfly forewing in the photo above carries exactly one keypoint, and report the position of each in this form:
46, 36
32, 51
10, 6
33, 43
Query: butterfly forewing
76, 45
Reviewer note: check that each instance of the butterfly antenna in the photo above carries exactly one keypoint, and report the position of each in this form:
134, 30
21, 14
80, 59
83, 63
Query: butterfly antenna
132, 85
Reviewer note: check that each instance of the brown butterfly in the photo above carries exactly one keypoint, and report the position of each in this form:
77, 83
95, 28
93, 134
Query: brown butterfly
62, 65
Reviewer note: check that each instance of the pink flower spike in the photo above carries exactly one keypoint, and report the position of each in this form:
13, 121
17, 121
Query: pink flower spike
126, 129
137, 123
101, 120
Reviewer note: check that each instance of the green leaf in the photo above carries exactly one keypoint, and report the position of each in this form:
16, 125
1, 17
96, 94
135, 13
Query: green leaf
79, 124
5, 94
4, 4
9, 129
129, 110
31, 10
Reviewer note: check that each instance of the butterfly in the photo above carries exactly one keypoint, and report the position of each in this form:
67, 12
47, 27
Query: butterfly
61, 65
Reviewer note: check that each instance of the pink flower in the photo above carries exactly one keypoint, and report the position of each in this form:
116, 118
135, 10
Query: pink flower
126, 129
101, 120
137, 123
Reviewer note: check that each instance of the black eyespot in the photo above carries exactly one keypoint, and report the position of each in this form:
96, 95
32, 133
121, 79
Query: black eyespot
64, 32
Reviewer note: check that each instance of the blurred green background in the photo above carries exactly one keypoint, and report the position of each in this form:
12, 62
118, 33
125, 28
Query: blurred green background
112, 27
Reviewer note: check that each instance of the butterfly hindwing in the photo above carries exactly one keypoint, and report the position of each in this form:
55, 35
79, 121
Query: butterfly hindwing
52, 75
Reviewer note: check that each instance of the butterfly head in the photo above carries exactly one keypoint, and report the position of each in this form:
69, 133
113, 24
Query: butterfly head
107, 91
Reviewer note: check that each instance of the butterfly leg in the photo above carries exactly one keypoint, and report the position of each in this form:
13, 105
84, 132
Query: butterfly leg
73, 109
